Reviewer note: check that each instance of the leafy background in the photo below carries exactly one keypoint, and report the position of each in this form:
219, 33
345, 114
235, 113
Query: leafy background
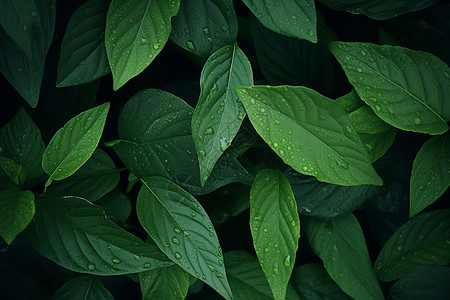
204, 149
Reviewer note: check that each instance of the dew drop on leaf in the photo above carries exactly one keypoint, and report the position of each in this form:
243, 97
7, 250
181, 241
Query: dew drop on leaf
116, 260
91, 266
177, 229
175, 241
287, 261
418, 120
178, 255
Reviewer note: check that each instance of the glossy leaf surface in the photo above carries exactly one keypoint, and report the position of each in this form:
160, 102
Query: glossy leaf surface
164, 283
85, 287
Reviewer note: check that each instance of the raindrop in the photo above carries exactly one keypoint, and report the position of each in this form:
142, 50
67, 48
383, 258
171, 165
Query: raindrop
287, 261
399, 248
275, 270
114, 31
177, 229
199, 208
293, 223
175, 241
193, 214
281, 153
190, 45
116, 260
252, 101
348, 128
276, 122
147, 265
305, 168
275, 145
310, 33
206, 31
363, 53
156, 46
91, 266
266, 250
178, 255
202, 153
377, 107
359, 70
220, 262
211, 268
209, 131
137, 257
224, 29
447, 75
417, 120
294, 17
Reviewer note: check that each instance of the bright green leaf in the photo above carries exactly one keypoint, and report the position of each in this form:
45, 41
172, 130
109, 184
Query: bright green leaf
116, 205
164, 283
183, 231
17, 210
405, 88
310, 133
340, 243
21, 141
294, 18
25, 74
203, 27
219, 114
83, 54
136, 31
430, 175
275, 228
85, 287
423, 240
75, 234
313, 283
74, 144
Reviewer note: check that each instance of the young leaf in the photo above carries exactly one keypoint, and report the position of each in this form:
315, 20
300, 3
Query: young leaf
75, 234
424, 282
83, 54
155, 128
24, 73
183, 231
340, 243
424, 240
20, 140
310, 133
430, 175
136, 31
219, 114
16, 213
93, 180
18, 19
164, 283
247, 280
291, 18
84, 287
313, 283
203, 27
275, 228
405, 88
74, 144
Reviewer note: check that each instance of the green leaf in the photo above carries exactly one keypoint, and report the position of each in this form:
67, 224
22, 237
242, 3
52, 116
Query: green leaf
203, 27
423, 240
219, 114
116, 205
424, 282
310, 133
340, 243
430, 175
155, 128
313, 283
93, 180
25, 74
164, 283
183, 231
405, 88
16, 213
83, 54
74, 144
275, 228
17, 19
136, 31
21, 141
84, 287
319, 199
14, 172
379, 9
294, 18
247, 280
75, 234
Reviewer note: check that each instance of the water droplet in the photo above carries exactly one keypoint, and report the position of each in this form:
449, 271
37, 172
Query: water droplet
116, 260
348, 128
281, 153
311, 33
211, 268
137, 257
91, 266
417, 120
252, 101
293, 223
202, 153
363, 53
368, 146
147, 265
156, 46
224, 29
190, 45
377, 107
175, 241
178, 255
275, 270
206, 31
399, 248
359, 70
447, 75
177, 229
294, 17
263, 110
193, 214
287, 261
265, 230
209, 131
114, 31
305, 168
199, 208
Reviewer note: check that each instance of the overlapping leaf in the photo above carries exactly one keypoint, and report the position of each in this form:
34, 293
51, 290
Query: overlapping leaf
310, 133
85, 287
75, 234
136, 31
83, 54
424, 240
219, 114
183, 231
164, 283
405, 88
116, 205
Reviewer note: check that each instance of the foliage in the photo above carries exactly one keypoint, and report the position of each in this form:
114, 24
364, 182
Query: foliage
254, 149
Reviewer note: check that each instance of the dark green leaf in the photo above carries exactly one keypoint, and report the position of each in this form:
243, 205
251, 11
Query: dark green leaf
136, 31
310, 133
116, 205
430, 175
17, 210
74, 144
203, 27
313, 283
83, 54
14, 172
25, 74
405, 88
75, 234
219, 114
93, 180
340, 243
85, 287
183, 231
425, 239
292, 18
